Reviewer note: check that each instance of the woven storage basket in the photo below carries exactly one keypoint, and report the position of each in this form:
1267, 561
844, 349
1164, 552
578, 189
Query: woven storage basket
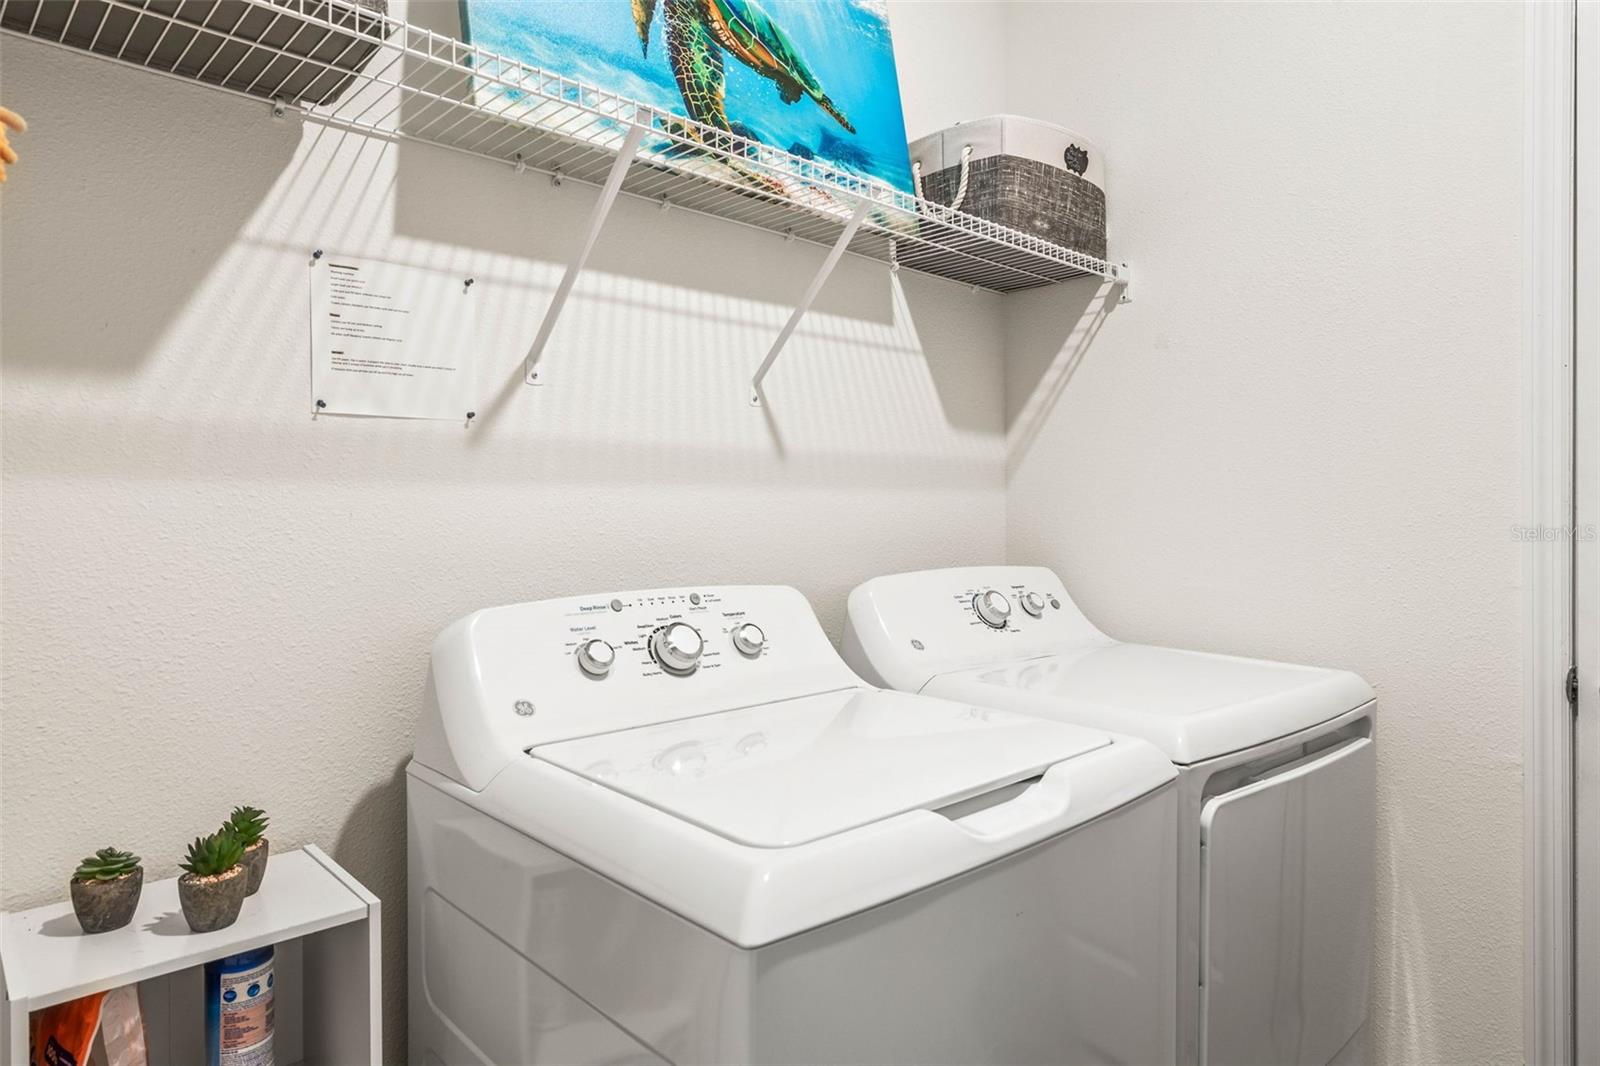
1022, 173
221, 42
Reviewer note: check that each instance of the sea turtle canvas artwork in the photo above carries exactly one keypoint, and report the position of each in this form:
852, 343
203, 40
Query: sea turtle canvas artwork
815, 78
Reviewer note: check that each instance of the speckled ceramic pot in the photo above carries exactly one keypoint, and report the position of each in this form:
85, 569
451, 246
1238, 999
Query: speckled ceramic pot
211, 903
255, 865
102, 906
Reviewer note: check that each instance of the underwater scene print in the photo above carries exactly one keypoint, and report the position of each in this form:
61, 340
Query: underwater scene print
815, 78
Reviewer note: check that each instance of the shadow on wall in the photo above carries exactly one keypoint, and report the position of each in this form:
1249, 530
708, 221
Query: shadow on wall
101, 168
946, 357
440, 204
1048, 334
217, 284
372, 833
671, 309
191, 210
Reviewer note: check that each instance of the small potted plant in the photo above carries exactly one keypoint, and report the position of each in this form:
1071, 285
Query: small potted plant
211, 890
248, 823
105, 890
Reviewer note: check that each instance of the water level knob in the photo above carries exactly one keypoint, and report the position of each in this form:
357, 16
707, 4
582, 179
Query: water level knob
1033, 603
595, 657
992, 607
677, 648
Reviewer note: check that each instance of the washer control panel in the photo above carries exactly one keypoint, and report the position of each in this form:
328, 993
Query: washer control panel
666, 634
507, 678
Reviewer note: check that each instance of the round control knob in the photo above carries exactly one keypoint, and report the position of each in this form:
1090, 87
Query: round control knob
677, 648
749, 639
992, 607
595, 657
1033, 603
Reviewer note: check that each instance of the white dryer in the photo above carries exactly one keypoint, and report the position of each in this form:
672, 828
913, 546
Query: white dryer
672, 826
1276, 791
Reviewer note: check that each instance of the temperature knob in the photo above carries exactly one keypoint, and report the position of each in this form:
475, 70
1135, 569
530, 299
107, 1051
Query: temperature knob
677, 648
1033, 603
992, 607
749, 639
595, 657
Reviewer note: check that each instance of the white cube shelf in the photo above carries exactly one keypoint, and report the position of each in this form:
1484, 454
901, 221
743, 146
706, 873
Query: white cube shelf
322, 921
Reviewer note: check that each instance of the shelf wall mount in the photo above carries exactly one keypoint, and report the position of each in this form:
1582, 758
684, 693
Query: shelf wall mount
597, 219
835, 253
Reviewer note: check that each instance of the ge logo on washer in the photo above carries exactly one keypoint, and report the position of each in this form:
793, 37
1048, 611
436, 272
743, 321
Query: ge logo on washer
524, 708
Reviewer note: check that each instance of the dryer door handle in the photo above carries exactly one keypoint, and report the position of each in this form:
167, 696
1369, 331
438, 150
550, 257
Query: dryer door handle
1286, 889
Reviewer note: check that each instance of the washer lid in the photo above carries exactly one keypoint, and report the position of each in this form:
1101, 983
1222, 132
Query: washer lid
1192, 705
783, 774
847, 759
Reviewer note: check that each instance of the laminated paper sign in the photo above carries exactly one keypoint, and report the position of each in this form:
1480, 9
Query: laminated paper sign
390, 340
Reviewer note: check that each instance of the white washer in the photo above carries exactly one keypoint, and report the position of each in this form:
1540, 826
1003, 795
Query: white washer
1276, 790
672, 826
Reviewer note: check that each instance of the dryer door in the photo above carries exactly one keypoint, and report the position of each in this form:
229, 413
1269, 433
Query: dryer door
1286, 910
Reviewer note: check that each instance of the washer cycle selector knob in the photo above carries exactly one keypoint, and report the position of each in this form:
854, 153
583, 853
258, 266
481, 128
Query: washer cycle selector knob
749, 639
1033, 603
595, 657
992, 607
677, 648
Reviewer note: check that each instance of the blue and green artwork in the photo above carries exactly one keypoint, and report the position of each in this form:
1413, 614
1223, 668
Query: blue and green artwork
815, 78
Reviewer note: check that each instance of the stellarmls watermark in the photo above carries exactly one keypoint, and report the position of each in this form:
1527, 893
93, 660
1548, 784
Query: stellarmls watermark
1584, 534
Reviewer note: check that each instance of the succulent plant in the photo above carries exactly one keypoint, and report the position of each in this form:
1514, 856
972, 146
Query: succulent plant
215, 854
247, 823
106, 864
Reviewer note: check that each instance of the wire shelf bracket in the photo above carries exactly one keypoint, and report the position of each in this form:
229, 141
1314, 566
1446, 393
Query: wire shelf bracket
834, 255
597, 219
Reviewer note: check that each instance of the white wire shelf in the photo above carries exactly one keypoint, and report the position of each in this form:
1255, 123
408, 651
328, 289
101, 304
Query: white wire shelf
345, 65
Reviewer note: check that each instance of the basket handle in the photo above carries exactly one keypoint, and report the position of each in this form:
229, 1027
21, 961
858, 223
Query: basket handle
961, 186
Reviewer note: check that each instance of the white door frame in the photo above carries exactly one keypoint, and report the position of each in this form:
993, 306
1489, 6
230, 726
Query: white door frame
1586, 336
1548, 508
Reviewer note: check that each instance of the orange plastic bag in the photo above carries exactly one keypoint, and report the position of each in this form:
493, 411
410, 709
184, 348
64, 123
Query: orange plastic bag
61, 1035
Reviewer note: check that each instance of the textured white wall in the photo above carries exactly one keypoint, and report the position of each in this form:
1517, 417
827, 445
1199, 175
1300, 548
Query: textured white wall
1300, 441
952, 57
210, 597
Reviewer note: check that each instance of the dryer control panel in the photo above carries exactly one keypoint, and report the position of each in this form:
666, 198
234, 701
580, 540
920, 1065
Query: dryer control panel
507, 678
904, 629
